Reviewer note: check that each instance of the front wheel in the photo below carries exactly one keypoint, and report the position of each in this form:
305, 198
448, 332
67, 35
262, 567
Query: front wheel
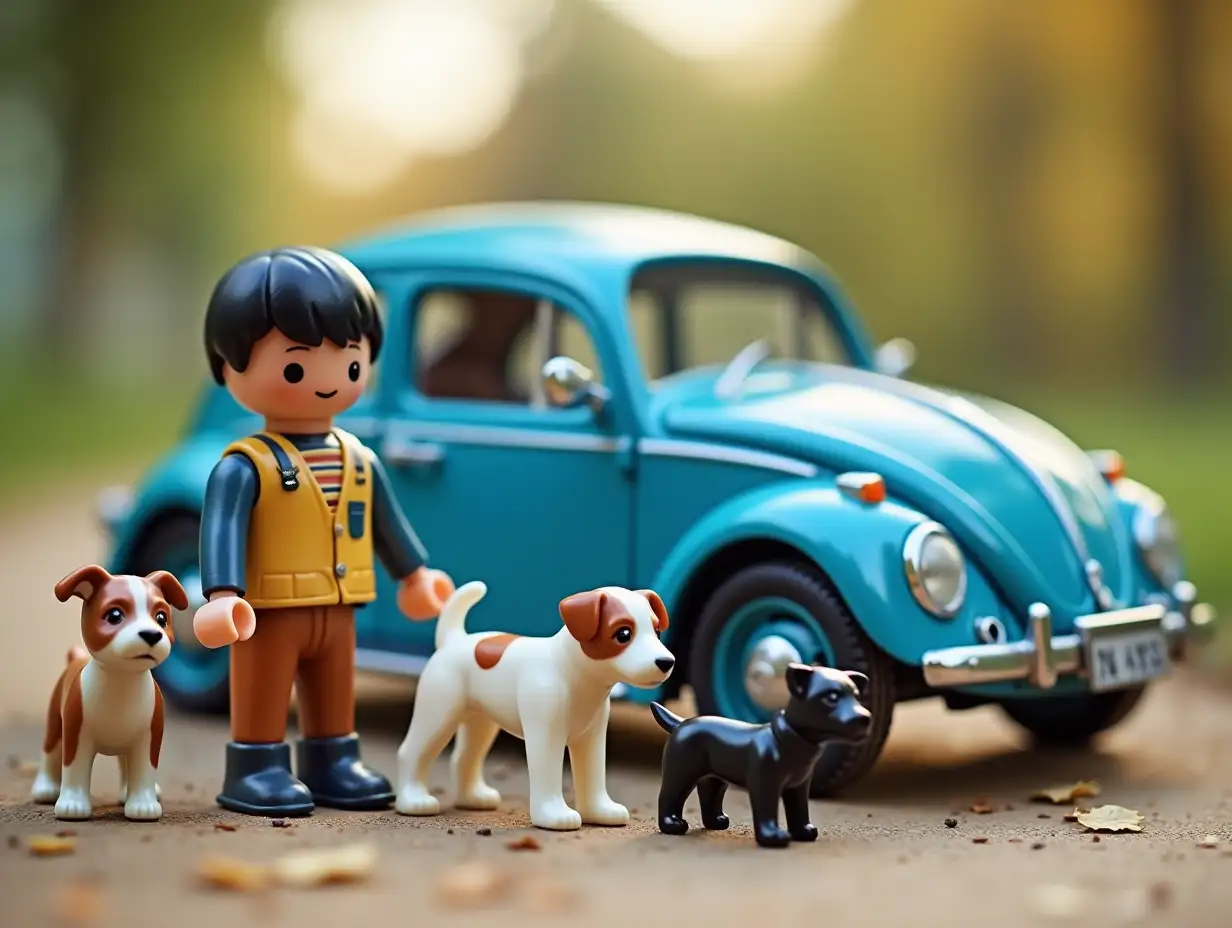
193, 677
1072, 720
769, 615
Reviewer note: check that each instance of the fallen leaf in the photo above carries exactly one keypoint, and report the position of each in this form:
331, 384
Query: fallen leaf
524, 843
1065, 793
981, 807
979, 840
236, 875
223, 826
1210, 841
66, 833
79, 903
1060, 901
1111, 818
471, 885
50, 845
323, 867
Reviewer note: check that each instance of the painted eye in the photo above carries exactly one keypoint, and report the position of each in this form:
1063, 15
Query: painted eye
831, 698
354, 371
161, 619
623, 635
293, 373
113, 616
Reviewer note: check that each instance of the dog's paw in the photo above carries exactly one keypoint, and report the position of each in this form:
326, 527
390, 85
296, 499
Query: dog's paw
673, 825
45, 790
605, 812
416, 801
717, 823
143, 807
555, 816
772, 837
480, 798
73, 805
806, 833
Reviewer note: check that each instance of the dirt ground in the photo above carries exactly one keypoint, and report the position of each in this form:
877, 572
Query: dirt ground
885, 856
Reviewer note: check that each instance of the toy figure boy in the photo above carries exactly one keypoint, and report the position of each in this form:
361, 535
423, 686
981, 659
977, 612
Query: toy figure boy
292, 518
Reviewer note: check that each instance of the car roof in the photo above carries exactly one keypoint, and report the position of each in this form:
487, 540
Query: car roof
564, 239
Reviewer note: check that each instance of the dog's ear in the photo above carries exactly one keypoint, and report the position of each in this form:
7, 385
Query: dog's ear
165, 582
657, 607
799, 676
583, 614
83, 582
859, 680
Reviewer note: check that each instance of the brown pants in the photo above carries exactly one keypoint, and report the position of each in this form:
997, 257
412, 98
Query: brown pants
311, 646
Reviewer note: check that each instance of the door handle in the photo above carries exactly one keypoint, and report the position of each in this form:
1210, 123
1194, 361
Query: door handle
402, 452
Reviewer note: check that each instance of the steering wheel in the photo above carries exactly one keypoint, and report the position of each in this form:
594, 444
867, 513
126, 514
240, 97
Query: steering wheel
738, 369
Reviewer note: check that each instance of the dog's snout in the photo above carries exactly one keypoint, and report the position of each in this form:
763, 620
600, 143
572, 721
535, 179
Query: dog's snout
665, 663
150, 636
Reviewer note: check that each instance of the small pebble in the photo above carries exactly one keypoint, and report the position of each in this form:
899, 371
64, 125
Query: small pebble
279, 823
13, 841
484, 832
1037, 846
448, 831
1095, 839
1160, 895
1043, 815
979, 840
951, 823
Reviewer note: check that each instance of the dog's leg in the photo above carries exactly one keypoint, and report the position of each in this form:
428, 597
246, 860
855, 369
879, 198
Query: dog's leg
470, 749
588, 760
677, 782
764, 792
122, 761
710, 793
438, 709
141, 804
796, 809
545, 762
46, 788
74, 804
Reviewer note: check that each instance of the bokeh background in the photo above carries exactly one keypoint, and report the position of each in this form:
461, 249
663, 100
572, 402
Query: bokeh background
1039, 195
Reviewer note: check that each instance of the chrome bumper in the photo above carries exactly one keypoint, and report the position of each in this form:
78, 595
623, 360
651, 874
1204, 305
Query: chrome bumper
1041, 658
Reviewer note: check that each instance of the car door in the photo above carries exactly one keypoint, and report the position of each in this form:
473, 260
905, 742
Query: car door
534, 500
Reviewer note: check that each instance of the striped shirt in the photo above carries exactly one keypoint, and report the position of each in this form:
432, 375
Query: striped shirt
326, 466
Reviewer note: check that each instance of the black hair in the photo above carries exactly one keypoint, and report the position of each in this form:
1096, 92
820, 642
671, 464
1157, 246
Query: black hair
307, 294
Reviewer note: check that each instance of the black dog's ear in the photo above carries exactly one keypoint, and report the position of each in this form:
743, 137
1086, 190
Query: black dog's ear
799, 676
860, 680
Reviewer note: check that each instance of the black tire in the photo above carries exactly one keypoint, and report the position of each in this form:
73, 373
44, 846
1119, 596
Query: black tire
841, 765
165, 548
1073, 720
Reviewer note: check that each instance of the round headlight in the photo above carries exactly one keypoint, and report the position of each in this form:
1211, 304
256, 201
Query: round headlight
1159, 543
936, 570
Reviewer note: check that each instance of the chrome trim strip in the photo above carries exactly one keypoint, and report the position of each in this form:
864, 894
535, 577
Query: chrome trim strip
502, 436
405, 665
673, 448
1041, 658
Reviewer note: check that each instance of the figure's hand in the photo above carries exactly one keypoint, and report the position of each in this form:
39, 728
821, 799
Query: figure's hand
423, 593
224, 620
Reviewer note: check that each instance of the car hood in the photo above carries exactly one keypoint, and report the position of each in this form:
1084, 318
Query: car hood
1027, 504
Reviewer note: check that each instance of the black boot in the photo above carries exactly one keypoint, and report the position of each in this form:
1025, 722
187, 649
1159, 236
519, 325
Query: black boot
331, 768
259, 782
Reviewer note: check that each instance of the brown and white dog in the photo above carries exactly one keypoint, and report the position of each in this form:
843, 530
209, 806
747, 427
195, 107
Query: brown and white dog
106, 700
551, 692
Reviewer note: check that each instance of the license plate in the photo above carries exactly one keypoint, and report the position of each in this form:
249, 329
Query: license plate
1118, 661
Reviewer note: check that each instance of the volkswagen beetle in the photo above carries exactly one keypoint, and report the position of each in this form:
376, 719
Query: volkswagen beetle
577, 395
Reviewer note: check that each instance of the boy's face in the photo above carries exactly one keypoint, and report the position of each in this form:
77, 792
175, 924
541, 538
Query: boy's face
287, 381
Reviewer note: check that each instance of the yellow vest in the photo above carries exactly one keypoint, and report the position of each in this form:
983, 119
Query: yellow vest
300, 553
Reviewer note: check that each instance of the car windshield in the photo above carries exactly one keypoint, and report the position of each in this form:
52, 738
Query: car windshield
686, 316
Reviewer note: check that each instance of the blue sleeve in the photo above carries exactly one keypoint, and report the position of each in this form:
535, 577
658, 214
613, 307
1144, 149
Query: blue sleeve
393, 539
230, 495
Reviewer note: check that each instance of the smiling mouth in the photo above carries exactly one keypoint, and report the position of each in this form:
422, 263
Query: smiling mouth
326, 396
145, 657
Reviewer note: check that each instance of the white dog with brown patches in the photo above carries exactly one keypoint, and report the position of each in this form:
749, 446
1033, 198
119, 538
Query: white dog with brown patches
106, 700
554, 693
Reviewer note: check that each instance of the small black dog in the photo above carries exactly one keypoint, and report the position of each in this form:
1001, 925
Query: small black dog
771, 761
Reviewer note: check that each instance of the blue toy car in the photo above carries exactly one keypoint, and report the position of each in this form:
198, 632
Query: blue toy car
574, 396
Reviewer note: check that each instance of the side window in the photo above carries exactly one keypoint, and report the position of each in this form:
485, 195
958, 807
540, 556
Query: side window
491, 345
646, 324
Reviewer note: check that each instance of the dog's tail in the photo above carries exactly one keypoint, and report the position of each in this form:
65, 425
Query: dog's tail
453, 614
668, 721
76, 653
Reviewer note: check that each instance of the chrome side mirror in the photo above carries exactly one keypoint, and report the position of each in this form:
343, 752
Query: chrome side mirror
569, 385
895, 357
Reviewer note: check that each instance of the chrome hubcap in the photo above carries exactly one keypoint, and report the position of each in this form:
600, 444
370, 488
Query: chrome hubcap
182, 619
765, 674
